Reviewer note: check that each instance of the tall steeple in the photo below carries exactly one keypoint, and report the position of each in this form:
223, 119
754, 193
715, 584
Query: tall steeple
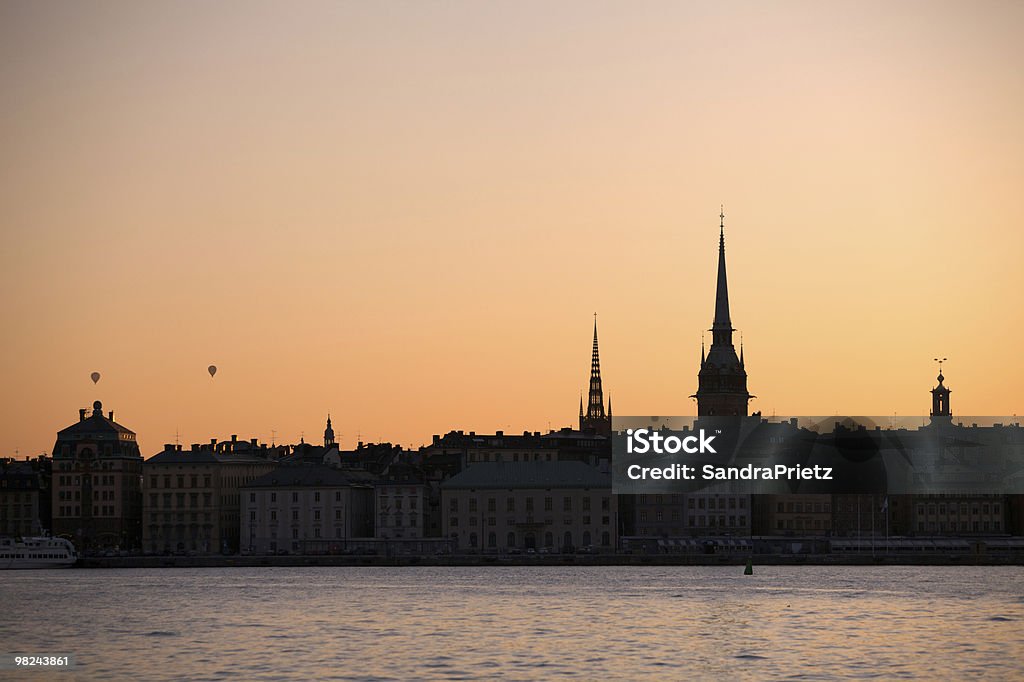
595, 417
722, 380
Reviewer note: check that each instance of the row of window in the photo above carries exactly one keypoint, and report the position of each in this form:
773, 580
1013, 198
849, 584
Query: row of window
953, 509
800, 524
804, 507
168, 518
723, 503
493, 521
975, 526
549, 540
399, 521
14, 509
510, 504
295, 515
295, 496
396, 503
180, 480
193, 500
99, 510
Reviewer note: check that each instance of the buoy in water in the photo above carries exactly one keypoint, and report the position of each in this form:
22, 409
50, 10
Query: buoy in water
749, 570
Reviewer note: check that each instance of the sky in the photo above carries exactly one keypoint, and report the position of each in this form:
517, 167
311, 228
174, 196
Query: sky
406, 214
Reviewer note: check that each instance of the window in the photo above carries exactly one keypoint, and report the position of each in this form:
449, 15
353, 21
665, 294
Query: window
295, 497
252, 497
566, 504
548, 505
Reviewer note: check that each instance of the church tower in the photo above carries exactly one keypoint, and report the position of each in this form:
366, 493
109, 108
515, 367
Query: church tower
722, 381
595, 418
941, 412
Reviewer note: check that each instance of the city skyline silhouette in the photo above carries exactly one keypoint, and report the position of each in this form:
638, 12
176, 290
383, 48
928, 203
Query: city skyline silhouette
407, 220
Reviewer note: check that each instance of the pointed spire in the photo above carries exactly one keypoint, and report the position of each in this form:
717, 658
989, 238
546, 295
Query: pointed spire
741, 349
595, 413
581, 404
609, 406
703, 357
722, 321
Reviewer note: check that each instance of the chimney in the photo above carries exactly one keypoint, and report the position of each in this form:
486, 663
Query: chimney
195, 447
81, 414
213, 442
254, 443
111, 415
168, 447
178, 447
234, 438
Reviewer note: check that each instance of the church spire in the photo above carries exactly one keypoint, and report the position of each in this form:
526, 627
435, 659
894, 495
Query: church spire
722, 321
595, 416
722, 380
595, 406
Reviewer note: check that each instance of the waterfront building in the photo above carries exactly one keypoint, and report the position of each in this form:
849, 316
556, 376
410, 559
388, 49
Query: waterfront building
530, 506
798, 515
96, 485
25, 496
307, 509
402, 497
191, 497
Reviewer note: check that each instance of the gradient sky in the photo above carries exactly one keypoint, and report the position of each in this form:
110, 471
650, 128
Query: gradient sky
407, 213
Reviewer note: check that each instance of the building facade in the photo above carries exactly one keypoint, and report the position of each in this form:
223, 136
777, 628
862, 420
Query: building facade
25, 496
530, 506
306, 509
191, 497
402, 500
97, 490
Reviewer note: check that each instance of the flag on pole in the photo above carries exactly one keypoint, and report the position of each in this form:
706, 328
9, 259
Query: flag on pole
885, 504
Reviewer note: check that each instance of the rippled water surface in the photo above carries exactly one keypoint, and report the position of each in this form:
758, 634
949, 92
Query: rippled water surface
520, 623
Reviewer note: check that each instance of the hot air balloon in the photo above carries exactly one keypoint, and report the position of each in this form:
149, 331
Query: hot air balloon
212, 369
95, 376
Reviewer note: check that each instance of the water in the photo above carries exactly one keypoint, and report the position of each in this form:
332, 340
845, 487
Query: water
520, 623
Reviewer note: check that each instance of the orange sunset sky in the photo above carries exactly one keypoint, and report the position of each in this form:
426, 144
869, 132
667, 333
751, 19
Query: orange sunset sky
406, 213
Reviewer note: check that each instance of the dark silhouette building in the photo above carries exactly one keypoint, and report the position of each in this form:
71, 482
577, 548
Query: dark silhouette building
25, 496
722, 381
595, 418
97, 483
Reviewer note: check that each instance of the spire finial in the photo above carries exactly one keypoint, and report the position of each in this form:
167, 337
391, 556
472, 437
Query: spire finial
940, 361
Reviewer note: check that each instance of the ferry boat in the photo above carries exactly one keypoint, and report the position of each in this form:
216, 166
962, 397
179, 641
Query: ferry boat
40, 552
